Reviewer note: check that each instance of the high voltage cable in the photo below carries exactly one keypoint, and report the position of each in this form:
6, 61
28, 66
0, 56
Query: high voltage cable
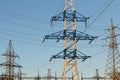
94, 55
20, 16
28, 43
21, 41
29, 59
99, 8
15, 13
25, 19
19, 36
20, 32
58, 10
100, 14
22, 25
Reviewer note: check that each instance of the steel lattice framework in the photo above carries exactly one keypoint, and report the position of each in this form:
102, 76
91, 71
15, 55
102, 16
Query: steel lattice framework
70, 37
10, 63
112, 70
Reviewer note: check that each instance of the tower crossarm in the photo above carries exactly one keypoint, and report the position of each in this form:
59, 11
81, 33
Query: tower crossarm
10, 55
70, 54
84, 36
111, 36
69, 35
11, 65
69, 15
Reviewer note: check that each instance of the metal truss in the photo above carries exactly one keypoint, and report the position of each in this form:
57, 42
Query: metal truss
70, 35
70, 54
69, 15
10, 63
112, 70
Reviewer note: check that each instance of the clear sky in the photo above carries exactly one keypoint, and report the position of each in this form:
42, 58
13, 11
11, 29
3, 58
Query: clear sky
26, 22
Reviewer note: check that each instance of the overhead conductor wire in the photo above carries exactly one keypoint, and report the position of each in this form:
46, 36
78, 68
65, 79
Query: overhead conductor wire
99, 14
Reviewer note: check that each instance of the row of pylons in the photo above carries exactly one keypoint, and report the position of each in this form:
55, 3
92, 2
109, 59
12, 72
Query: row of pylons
70, 36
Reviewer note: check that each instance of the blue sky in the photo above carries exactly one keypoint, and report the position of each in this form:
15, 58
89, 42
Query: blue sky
26, 22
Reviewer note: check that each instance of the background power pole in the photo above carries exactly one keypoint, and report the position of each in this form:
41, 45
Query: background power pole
112, 70
10, 63
96, 77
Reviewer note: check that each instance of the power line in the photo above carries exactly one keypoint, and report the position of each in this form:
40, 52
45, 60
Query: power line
22, 25
100, 13
18, 14
19, 32
94, 55
25, 19
19, 36
98, 9
21, 41
29, 43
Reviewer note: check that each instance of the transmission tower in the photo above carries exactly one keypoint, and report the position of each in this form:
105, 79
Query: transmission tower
70, 37
112, 70
96, 77
49, 74
38, 76
10, 62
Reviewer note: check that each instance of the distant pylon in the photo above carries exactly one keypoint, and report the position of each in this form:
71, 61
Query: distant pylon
70, 37
96, 77
38, 76
49, 74
112, 70
10, 62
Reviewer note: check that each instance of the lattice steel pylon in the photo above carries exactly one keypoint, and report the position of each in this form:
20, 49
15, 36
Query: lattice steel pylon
112, 70
70, 37
10, 62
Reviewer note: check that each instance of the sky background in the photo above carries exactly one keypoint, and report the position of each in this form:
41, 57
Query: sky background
25, 22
